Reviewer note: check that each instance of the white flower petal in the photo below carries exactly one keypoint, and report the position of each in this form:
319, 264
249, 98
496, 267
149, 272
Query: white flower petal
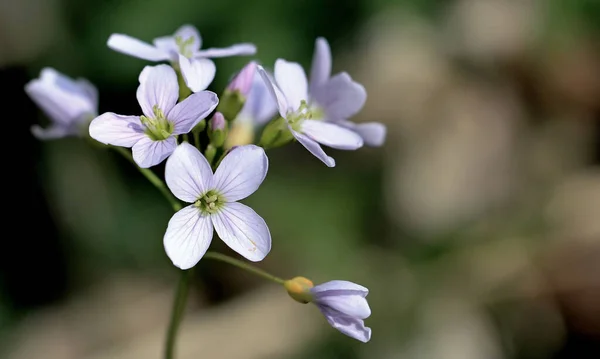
186, 114
197, 73
241, 172
372, 133
331, 135
188, 173
275, 91
234, 50
243, 230
65, 101
158, 87
340, 97
354, 306
314, 148
320, 69
131, 46
188, 236
352, 327
117, 130
189, 31
291, 79
336, 286
148, 153
51, 133
168, 45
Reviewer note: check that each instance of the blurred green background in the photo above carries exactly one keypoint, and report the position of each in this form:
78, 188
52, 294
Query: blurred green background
476, 227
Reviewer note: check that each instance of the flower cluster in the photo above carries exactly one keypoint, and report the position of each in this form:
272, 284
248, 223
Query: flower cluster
213, 175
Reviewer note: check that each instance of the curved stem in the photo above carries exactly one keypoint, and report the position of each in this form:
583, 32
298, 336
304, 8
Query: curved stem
242, 265
177, 313
157, 182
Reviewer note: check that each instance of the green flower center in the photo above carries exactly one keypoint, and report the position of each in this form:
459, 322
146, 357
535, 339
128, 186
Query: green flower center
304, 112
211, 202
185, 46
158, 128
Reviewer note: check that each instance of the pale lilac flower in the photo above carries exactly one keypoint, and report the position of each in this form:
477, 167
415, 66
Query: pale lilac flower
183, 50
345, 307
340, 97
214, 204
305, 121
152, 135
70, 104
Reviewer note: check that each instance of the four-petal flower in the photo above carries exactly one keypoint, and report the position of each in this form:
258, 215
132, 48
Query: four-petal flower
152, 136
305, 121
340, 97
214, 204
183, 50
70, 104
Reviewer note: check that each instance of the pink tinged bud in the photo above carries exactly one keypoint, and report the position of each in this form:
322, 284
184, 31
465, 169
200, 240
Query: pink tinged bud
217, 122
243, 80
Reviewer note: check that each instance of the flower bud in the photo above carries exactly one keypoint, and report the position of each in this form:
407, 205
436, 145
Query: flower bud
234, 96
217, 130
230, 104
217, 122
242, 82
299, 289
275, 134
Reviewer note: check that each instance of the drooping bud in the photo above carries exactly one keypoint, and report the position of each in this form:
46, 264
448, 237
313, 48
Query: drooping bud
299, 289
242, 82
276, 134
217, 129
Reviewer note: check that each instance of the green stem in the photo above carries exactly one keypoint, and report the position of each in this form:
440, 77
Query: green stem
196, 135
177, 313
218, 161
186, 138
157, 182
242, 265
183, 286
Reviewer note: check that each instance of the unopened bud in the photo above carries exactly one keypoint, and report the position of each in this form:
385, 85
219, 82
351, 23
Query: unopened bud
217, 122
233, 98
299, 289
242, 82
217, 130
